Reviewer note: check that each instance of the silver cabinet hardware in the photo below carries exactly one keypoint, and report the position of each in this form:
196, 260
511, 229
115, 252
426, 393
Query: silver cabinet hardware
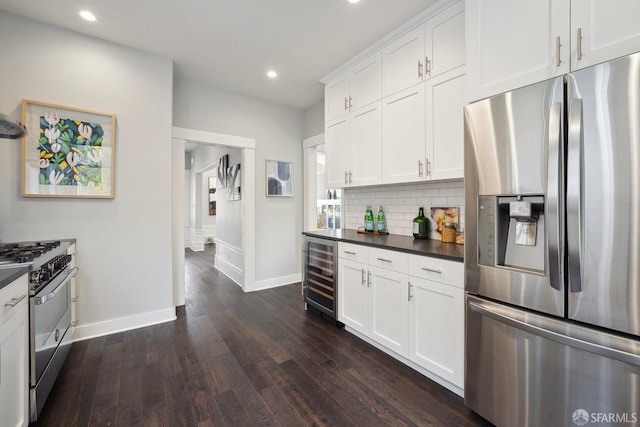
579, 43
57, 338
350, 180
431, 270
558, 61
419, 69
368, 279
346, 177
409, 296
346, 104
15, 301
428, 168
363, 277
419, 167
427, 66
74, 299
383, 259
350, 105
349, 252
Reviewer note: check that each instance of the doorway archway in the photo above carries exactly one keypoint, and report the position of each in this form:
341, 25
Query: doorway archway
247, 145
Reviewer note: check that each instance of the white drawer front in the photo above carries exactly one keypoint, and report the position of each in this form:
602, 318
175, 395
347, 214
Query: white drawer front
389, 260
438, 270
13, 297
353, 252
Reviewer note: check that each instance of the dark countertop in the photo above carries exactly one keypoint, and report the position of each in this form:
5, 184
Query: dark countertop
9, 274
432, 248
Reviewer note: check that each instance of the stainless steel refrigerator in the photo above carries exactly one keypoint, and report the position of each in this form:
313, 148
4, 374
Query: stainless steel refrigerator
552, 250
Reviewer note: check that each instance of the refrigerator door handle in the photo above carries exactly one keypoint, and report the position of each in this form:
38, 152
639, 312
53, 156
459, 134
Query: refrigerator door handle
555, 330
554, 195
574, 194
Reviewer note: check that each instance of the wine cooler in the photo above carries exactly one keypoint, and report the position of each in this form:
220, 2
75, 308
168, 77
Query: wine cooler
320, 281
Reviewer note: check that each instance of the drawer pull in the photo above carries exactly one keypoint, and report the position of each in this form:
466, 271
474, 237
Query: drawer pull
15, 301
349, 252
431, 270
384, 260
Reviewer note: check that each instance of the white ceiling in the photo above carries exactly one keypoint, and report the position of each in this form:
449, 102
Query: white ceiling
231, 44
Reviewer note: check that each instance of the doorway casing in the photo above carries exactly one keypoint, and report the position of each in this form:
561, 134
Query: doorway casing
247, 145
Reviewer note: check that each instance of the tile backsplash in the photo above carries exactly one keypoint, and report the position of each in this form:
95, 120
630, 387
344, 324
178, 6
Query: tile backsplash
401, 202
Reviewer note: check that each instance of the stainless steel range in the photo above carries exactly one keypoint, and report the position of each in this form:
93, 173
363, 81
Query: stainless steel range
51, 265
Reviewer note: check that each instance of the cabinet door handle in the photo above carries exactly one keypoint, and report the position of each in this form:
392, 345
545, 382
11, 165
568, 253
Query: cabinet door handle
346, 104
579, 43
428, 168
558, 61
431, 270
350, 180
363, 277
350, 105
419, 167
409, 296
427, 66
368, 279
419, 69
346, 177
384, 260
15, 301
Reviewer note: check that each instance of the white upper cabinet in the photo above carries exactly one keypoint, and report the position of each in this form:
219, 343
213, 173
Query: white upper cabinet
365, 157
336, 137
603, 30
514, 44
403, 147
425, 52
445, 99
356, 88
403, 62
444, 41
511, 44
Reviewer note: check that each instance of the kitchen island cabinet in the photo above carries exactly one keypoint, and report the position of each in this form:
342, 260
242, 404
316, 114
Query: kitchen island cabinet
14, 350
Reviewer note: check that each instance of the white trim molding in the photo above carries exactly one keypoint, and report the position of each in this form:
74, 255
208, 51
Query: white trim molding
277, 282
229, 261
213, 138
99, 329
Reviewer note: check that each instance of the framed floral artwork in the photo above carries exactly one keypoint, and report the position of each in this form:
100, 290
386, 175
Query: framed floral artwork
68, 152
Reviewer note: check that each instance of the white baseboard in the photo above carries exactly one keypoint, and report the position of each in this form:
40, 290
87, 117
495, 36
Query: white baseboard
93, 330
275, 282
197, 240
229, 270
436, 378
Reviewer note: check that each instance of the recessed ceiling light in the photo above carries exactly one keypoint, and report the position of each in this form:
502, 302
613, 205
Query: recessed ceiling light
354, 1
85, 14
272, 74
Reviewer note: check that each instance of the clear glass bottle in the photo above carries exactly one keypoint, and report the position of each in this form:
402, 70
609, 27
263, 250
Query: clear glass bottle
420, 225
382, 221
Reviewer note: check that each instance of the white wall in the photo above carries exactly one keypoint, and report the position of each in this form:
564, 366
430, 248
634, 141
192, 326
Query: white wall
278, 131
314, 120
124, 244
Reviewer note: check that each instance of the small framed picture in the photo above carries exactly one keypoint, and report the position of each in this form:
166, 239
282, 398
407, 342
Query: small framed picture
279, 178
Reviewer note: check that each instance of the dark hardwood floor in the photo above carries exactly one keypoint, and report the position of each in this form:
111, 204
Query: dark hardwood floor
235, 359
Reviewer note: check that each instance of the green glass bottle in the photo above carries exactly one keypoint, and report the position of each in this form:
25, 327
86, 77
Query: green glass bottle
368, 219
420, 225
382, 221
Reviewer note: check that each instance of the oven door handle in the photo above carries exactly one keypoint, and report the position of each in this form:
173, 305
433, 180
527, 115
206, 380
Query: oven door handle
44, 298
74, 272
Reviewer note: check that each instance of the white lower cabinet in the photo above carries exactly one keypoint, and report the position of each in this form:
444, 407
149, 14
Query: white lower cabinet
388, 300
353, 294
410, 305
14, 353
436, 328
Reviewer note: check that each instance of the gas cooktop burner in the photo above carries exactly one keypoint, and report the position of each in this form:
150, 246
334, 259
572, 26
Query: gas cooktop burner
19, 253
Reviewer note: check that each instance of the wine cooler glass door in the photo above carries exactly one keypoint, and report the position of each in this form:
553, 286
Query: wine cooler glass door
321, 275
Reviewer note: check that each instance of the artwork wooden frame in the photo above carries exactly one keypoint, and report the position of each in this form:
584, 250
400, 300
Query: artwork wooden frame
279, 178
68, 152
